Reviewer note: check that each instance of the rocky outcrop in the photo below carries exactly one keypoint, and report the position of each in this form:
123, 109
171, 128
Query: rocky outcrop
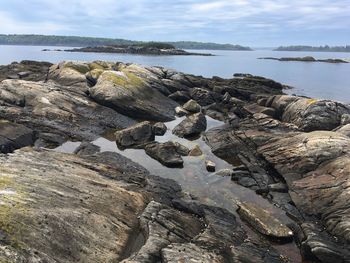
55, 109
192, 106
25, 70
191, 126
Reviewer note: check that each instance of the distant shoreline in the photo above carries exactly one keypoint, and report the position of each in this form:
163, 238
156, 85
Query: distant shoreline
76, 41
313, 49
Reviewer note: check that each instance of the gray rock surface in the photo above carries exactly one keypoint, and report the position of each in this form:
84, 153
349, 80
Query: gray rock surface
135, 136
191, 126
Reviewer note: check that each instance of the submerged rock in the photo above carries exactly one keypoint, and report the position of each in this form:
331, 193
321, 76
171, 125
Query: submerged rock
191, 126
135, 136
264, 222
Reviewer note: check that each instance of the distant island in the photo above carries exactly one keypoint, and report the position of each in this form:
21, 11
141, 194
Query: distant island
76, 41
325, 48
151, 48
308, 59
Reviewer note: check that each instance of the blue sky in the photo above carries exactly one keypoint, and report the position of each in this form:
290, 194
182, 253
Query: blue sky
246, 22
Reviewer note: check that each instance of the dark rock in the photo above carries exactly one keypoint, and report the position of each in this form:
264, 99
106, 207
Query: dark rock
166, 153
191, 126
204, 97
180, 96
14, 136
246, 182
210, 165
278, 187
159, 128
135, 136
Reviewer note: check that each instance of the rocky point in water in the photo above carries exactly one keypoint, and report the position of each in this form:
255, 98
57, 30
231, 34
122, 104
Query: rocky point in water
140, 49
92, 206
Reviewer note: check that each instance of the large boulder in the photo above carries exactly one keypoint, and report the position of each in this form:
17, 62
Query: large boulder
309, 114
135, 136
131, 95
191, 126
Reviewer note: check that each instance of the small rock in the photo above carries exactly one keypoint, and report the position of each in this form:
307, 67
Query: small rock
195, 151
165, 153
264, 222
224, 172
180, 111
210, 166
181, 149
192, 106
159, 128
135, 136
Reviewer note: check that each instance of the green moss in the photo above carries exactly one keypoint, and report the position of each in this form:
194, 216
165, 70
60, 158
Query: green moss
81, 68
312, 101
96, 73
96, 65
11, 206
129, 80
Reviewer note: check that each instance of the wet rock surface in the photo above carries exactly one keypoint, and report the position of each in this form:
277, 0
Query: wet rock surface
286, 156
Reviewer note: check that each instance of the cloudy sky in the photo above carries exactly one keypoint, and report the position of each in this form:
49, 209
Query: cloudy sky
246, 22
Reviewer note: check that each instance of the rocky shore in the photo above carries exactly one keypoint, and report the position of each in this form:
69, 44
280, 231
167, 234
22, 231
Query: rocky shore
290, 153
308, 59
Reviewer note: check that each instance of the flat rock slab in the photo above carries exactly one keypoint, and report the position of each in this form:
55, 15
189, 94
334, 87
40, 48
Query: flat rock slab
59, 207
14, 136
264, 222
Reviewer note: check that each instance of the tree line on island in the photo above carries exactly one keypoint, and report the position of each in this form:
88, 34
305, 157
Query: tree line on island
324, 48
77, 41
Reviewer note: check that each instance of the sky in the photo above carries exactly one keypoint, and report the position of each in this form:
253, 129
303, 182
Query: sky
263, 23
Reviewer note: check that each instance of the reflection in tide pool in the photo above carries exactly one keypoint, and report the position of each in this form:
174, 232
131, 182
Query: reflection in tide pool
207, 187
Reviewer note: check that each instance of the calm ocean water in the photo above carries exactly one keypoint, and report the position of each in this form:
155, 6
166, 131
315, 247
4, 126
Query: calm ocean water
320, 80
